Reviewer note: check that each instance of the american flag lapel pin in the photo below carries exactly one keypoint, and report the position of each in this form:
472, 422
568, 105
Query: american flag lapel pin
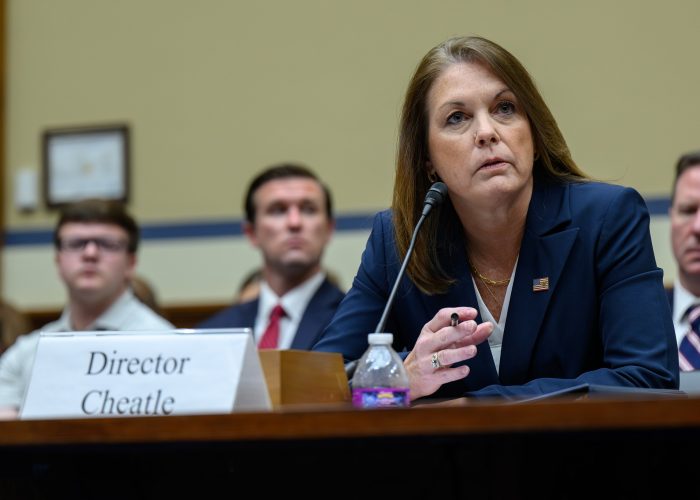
540, 284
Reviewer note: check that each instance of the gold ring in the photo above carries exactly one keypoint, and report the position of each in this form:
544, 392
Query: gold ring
435, 361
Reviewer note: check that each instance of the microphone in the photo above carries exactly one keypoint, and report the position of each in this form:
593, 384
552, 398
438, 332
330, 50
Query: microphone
434, 197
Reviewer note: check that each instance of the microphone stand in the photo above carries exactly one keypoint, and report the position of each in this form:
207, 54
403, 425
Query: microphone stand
435, 196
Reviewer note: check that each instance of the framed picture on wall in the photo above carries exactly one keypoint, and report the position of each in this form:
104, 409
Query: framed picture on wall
86, 162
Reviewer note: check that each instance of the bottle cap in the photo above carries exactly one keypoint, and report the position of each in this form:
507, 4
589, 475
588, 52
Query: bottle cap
380, 338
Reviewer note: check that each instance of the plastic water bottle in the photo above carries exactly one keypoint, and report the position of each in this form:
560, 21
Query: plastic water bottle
380, 379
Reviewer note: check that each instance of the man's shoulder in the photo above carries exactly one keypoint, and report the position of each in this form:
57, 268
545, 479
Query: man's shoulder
29, 340
330, 291
234, 316
22, 350
142, 317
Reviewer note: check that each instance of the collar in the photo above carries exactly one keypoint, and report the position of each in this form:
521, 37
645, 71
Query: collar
294, 301
111, 319
682, 300
549, 207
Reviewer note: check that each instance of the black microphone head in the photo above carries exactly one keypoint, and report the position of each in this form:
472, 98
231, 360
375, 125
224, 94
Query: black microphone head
434, 197
436, 194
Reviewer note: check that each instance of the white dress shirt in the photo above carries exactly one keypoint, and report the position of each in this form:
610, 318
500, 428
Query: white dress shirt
682, 300
294, 303
496, 337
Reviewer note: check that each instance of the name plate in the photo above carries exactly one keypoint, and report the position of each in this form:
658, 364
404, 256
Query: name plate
121, 374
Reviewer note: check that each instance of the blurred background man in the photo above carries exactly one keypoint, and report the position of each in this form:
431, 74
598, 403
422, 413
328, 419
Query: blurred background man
289, 218
96, 243
685, 240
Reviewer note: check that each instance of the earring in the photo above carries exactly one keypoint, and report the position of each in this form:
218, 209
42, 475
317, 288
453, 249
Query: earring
432, 177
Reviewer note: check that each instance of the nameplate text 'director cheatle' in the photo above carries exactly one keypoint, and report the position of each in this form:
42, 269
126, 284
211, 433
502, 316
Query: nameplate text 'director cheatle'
122, 374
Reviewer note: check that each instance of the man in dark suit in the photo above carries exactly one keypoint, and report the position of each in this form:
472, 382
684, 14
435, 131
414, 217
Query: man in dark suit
289, 218
685, 240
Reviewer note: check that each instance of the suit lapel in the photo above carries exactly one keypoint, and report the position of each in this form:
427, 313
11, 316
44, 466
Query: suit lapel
545, 249
312, 323
249, 313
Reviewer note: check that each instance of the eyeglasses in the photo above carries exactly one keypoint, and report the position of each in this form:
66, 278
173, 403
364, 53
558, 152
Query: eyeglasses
75, 245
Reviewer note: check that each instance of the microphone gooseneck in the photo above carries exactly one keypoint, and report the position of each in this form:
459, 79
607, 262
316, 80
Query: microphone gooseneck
434, 197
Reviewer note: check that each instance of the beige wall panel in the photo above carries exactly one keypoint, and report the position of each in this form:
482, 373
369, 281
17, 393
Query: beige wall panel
208, 271
215, 90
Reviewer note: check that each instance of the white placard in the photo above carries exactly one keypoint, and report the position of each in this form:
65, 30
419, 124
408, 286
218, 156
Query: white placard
115, 374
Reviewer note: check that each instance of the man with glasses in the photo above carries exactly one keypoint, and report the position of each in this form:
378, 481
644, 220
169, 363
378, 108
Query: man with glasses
96, 243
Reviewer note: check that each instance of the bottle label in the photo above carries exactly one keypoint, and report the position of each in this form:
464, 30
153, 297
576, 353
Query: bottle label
380, 397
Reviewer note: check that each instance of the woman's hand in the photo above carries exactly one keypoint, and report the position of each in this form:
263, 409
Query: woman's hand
440, 345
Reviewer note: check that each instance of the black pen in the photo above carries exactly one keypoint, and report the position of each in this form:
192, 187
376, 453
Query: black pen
455, 319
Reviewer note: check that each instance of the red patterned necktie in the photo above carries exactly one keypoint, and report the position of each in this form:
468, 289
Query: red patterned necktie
689, 349
271, 336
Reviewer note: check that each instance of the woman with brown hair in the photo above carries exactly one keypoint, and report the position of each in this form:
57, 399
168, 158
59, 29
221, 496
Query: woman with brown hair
555, 270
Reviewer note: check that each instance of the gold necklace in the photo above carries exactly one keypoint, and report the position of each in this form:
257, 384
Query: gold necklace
497, 304
487, 281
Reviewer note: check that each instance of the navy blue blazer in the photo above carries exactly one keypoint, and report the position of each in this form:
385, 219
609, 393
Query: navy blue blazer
315, 318
604, 320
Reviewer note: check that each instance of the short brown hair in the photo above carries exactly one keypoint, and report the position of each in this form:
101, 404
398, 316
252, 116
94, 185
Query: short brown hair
99, 211
283, 171
685, 162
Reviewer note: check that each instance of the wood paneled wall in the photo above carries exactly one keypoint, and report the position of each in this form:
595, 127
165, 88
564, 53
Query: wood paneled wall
180, 316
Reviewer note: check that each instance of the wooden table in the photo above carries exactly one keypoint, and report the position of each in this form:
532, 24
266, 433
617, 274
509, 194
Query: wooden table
558, 448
